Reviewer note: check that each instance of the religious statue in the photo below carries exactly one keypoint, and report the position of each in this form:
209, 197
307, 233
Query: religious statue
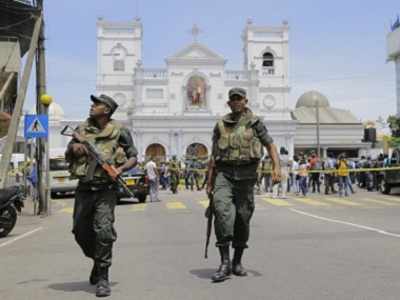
196, 91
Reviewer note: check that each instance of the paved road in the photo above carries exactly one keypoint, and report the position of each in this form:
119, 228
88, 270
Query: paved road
316, 247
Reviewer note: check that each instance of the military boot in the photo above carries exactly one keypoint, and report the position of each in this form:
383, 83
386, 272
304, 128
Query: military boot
237, 267
224, 270
94, 276
103, 286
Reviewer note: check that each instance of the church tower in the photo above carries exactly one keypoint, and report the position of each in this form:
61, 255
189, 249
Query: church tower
119, 49
266, 53
393, 49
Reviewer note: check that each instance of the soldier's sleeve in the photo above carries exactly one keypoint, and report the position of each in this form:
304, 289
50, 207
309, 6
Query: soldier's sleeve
215, 138
262, 133
126, 142
68, 152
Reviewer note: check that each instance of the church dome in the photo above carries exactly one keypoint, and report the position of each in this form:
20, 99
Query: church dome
310, 98
56, 113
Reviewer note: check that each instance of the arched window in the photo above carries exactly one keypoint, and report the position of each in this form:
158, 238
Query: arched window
196, 91
119, 55
268, 60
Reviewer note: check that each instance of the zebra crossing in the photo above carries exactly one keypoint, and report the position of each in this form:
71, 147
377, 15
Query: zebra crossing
265, 202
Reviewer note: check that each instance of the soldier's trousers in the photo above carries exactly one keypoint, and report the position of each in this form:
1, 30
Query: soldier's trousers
233, 209
93, 220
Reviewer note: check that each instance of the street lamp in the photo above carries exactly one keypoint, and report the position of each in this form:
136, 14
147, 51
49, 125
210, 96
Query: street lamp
316, 103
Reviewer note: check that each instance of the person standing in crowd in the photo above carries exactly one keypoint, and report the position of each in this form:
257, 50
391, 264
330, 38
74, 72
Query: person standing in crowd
329, 177
238, 141
343, 175
266, 168
303, 176
315, 165
153, 175
175, 171
296, 177
279, 189
96, 196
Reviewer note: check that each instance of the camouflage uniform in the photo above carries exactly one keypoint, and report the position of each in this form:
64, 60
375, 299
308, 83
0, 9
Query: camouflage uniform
95, 196
237, 150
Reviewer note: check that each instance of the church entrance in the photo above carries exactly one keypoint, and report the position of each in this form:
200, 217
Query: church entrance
157, 151
197, 150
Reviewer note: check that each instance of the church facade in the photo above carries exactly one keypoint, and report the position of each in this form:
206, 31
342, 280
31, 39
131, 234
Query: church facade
172, 110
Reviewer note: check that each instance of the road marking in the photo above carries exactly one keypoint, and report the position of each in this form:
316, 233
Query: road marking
277, 202
377, 230
21, 237
343, 201
311, 201
68, 210
139, 207
382, 202
204, 203
176, 205
391, 199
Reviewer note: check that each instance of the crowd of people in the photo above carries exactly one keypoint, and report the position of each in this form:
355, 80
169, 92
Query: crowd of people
302, 174
305, 174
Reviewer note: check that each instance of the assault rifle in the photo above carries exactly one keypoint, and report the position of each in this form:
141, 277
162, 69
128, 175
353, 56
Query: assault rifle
210, 209
96, 155
209, 215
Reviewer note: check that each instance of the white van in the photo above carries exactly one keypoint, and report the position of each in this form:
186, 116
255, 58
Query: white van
60, 182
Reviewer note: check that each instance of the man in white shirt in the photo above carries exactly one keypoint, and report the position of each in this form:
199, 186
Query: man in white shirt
152, 174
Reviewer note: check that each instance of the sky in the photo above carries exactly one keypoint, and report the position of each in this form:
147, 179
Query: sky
336, 47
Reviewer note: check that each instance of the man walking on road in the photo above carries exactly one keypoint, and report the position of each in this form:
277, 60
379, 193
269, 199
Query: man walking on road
152, 174
238, 141
95, 196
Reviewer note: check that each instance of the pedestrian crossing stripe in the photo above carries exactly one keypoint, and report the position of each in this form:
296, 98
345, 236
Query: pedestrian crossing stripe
382, 202
139, 207
311, 201
176, 205
68, 210
204, 203
277, 202
343, 201
391, 199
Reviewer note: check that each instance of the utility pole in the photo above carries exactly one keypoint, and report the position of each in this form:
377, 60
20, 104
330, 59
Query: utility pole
317, 119
42, 144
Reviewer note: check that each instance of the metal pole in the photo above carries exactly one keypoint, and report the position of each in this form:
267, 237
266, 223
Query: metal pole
317, 117
43, 148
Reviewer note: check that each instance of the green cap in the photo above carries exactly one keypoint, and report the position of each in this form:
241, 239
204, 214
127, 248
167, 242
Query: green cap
107, 100
237, 91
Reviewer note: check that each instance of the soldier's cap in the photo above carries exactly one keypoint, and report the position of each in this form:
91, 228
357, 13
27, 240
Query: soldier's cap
237, 91
107, 100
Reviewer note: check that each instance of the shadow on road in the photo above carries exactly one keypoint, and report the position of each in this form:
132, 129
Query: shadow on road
77, 286
207, 273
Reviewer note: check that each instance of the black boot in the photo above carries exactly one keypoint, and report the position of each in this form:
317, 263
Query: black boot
94, 276
224, 270
103, 286
237, 267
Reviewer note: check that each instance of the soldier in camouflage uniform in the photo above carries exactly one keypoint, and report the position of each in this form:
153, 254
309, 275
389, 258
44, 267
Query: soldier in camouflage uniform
238, 142
95, 196
175, 170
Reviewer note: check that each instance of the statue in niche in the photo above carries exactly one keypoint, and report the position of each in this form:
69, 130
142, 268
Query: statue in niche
196, 91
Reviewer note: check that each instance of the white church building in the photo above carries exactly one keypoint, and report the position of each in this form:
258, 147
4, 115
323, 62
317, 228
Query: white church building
172, 110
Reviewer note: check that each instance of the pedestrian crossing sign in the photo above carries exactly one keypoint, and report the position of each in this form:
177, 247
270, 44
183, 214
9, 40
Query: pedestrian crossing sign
36, 126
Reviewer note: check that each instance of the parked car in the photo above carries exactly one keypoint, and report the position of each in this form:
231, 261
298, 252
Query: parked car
137, 182
60, 182
391, 178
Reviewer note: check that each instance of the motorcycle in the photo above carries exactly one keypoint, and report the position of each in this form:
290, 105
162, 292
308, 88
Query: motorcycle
11, 201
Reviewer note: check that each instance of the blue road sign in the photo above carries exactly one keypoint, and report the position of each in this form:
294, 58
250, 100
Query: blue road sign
36, 126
